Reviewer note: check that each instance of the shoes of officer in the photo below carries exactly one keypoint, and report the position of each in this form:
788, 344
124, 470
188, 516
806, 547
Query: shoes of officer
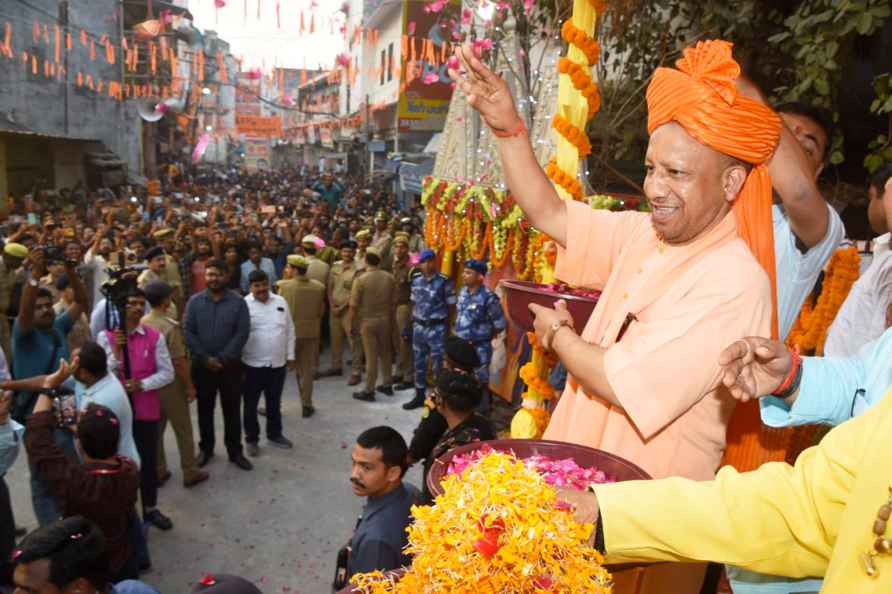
417, 401
364, 396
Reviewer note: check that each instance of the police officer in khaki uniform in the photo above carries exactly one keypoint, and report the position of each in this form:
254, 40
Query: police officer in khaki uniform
175, 397
402, 320
317, 269
13, 256
373, 300
340, 283
363, 240
382, 241
166, 238
156, 260
306, 300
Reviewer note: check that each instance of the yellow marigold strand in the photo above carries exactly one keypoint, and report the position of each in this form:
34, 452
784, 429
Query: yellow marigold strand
561, 178
810, 331
583, 82
574, 135
572, 34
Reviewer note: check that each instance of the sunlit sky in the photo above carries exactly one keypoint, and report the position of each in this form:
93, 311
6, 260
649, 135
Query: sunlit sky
262, 43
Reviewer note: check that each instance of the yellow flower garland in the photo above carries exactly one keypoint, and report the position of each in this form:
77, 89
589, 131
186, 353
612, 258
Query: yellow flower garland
532, 419
496, 529
810, 331
578, 95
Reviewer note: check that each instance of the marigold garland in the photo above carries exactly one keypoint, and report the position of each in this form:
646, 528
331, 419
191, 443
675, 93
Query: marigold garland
574, 135
589, 46
519, 253
458, 228
499, 249
496, 528
810, 331
568, 182
530, 421
573, 131
583, 82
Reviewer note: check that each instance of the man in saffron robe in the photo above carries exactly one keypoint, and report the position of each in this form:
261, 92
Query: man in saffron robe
644, 375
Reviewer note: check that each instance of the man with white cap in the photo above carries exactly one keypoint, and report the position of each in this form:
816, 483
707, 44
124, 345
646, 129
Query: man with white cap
316, 268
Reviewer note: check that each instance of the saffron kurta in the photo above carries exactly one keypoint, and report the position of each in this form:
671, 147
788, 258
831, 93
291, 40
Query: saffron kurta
689, 302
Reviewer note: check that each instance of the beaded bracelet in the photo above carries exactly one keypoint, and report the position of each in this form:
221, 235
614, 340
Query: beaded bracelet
881, 544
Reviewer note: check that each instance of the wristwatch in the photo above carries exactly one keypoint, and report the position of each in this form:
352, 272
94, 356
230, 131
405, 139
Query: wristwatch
552, 330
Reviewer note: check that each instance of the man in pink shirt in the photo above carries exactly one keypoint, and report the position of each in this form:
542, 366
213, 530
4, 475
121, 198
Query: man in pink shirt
148, 368
678, 283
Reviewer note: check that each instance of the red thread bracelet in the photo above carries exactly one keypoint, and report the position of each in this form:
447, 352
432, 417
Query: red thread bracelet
520, 128
791, 375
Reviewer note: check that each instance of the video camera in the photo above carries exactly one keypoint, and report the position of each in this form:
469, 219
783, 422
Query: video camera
121, 283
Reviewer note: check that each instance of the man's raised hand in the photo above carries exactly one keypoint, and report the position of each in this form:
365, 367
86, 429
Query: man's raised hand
487, 92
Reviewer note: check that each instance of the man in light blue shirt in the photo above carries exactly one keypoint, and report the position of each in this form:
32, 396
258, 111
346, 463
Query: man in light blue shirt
806, 228
89, 377
829, 390
256, 261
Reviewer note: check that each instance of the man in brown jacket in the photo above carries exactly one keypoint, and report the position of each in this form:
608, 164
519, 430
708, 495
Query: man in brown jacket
306, 300
373, 300
103, 489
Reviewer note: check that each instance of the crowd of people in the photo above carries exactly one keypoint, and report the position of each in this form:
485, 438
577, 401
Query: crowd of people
120, 310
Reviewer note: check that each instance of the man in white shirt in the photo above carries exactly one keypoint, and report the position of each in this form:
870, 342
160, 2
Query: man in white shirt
267, 355
96, 261
862, 317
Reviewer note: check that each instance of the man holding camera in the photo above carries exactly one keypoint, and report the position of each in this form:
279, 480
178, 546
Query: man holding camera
138, 355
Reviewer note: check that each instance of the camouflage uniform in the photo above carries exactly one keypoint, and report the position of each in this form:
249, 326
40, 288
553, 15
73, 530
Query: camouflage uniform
478, 318
431, 298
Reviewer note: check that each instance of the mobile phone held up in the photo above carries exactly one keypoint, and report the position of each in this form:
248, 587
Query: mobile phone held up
64, 407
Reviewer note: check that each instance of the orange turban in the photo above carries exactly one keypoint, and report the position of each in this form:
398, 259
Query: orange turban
702, 97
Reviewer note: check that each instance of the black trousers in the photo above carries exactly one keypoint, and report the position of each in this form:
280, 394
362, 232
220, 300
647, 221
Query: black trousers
268, 381
228, 383
145, 434
7, 534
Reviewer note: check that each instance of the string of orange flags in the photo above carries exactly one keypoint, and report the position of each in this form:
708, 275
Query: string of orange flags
161, 60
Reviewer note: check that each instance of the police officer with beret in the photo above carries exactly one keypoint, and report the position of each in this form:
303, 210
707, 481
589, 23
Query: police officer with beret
479, 316
432, 296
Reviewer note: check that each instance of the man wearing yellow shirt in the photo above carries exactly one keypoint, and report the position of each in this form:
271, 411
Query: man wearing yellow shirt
825, 516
